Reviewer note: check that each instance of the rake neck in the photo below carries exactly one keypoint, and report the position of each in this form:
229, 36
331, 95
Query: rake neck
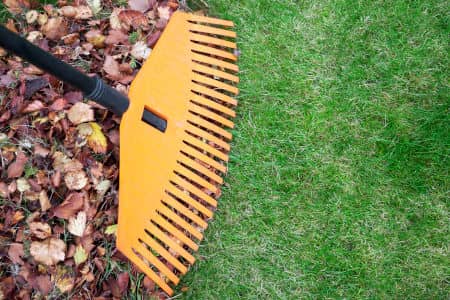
93, 87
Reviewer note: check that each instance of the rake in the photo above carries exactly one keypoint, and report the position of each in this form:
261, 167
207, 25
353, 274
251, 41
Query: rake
173, 138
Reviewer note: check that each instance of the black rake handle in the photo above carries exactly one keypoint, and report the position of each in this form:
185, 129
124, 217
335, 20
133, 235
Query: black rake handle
93, 87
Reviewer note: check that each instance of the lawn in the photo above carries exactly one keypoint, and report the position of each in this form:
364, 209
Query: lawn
338, 183
338, 180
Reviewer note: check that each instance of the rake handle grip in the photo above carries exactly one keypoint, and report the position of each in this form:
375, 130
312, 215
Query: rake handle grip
93, 87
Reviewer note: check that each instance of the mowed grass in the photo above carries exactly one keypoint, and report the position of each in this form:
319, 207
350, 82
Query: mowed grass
338, 182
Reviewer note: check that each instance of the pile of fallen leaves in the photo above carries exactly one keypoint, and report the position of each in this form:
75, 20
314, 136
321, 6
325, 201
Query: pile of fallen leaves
59, 153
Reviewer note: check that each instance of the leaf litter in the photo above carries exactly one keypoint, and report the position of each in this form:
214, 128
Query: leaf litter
59, 153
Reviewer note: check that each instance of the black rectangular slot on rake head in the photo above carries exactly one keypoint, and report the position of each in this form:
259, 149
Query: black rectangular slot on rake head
154, 120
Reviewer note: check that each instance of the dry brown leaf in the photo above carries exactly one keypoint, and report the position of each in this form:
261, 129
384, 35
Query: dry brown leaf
59, 161
111, 67
140, 5
77, 225
40, 150
16, 168
15, 253
115, 37
122, 281
80, 112
68, 11
40, 230
48, 252
83, 12
16, 6
44, 201
4, 190
75, 180
44, 284
58, 104
133, 18
55, 28
73, 203
36, 105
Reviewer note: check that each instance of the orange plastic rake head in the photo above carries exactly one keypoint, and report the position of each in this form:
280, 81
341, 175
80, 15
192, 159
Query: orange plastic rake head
168, 179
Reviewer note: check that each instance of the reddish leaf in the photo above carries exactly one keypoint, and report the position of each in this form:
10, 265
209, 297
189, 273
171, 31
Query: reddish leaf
15, 253
33, 106
55, 28
115, 37
122, 282
16, 168
58, 104
7, 287
133, 18
73, 204
44, 284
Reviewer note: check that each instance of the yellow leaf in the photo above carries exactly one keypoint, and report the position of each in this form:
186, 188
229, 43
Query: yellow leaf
80, 255
111, 229
63, 279
97, 140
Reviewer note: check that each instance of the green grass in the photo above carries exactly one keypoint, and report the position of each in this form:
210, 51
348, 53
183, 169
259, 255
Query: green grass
339, 173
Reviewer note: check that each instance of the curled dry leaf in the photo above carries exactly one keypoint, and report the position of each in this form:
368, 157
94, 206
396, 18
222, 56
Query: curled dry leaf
133, 18
80, 112
55, 28
48, 252
40, 230
77, 225
73, 203
16, 168
75, 180
44, 201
